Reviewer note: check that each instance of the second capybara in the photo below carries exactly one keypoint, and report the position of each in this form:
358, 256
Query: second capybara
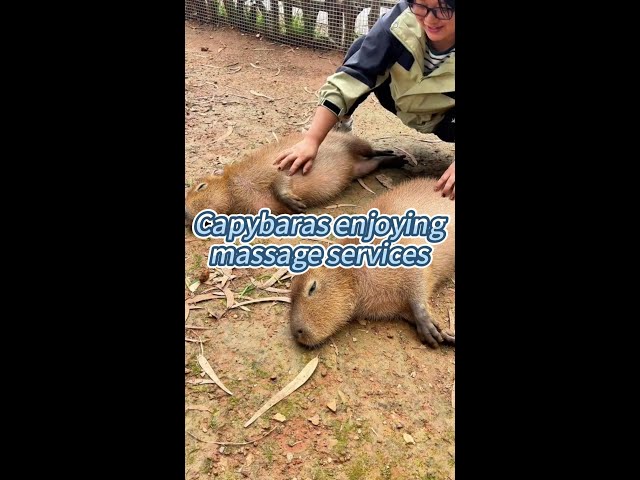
323, 300
254, 182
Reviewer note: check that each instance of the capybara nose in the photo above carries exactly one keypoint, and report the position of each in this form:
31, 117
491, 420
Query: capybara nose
298, 331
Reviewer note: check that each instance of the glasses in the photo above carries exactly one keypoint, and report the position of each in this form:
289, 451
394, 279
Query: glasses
441, 13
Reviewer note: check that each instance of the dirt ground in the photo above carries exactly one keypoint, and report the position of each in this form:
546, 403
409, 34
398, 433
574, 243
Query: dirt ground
384, 382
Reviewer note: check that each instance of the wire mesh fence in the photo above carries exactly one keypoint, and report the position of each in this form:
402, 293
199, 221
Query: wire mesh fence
329, 24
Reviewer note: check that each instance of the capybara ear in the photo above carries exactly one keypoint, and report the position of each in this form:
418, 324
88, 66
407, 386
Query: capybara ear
201, 186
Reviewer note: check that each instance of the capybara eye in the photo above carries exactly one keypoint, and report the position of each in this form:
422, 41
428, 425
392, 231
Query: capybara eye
312, 287
201, 187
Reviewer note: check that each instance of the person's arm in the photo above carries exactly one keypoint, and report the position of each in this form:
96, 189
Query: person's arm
304, 152
357, 76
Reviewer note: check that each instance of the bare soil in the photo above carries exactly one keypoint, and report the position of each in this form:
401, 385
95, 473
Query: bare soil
391, 383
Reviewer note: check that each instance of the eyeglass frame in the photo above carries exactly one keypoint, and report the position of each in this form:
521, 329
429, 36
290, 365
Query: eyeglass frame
432, 10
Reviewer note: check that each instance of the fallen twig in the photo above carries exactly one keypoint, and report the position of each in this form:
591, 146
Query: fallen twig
258, 94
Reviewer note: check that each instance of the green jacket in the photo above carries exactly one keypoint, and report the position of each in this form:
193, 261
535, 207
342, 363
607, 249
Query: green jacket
395, 47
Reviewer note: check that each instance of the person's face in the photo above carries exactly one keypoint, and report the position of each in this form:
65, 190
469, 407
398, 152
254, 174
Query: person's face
441, 32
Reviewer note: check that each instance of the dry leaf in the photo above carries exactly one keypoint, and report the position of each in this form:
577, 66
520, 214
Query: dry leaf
220, 49
386, 181
274, 278
342, 397
315, 419
362, 322
332, 405
279, 417
277, 290
194, 286
408, 438
203, 297
207, 368
296, 383
364, 185
264, 299
229, 294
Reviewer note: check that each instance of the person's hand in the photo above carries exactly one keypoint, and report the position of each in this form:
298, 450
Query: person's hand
448, 181
301, 154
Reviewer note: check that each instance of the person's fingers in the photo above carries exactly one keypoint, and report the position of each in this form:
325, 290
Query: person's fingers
286, 161
307, 166
440, 183
281, 155
296, 165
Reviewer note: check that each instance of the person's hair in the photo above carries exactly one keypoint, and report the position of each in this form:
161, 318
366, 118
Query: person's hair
448, 3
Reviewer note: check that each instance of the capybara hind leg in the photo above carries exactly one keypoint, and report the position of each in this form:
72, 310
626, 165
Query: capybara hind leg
365, 167
283, 193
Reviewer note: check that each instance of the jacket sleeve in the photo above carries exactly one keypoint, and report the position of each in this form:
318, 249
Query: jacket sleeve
365, 69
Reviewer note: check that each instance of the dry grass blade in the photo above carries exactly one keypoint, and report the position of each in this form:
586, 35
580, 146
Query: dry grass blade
230, 299
228, 132
297, 382
384, 180
195, 327
364, 185
275, 136
278, 73
186, 311
452, 321
309, 91
207, 368
255, 66
412, 159
265, 299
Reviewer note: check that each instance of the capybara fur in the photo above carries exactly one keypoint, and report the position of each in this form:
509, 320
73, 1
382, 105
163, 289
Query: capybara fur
254, 182
323, 300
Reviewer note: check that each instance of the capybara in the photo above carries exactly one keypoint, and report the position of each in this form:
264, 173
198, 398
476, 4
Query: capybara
323, 300
254, 182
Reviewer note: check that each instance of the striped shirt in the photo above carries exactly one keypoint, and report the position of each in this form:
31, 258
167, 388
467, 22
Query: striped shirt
432, 58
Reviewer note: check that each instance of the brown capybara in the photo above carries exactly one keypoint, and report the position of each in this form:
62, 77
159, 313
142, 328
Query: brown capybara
323, 300
254, 182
